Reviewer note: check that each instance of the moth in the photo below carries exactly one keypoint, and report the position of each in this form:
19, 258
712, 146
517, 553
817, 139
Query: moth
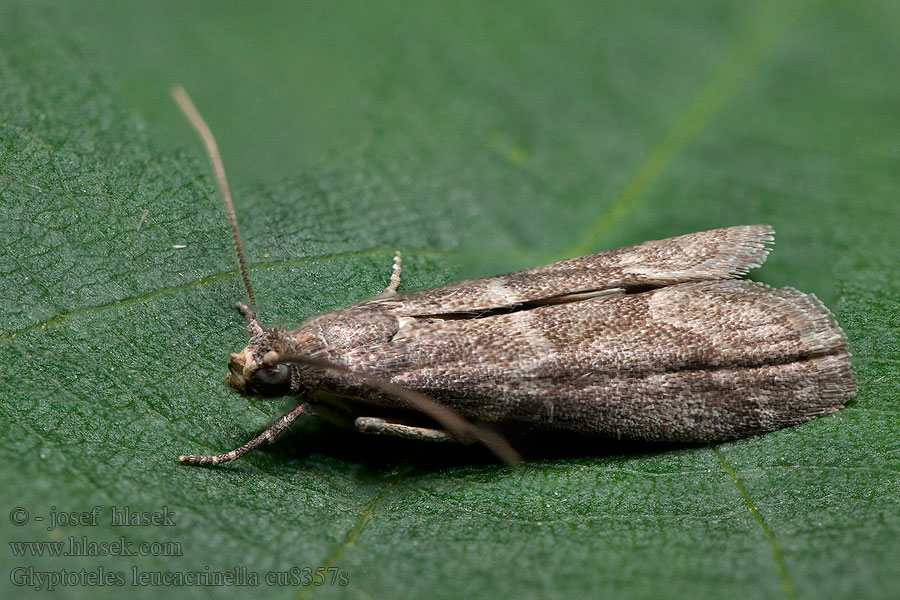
656, 342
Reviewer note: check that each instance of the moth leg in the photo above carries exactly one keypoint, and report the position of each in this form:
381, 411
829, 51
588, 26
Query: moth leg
396, 269
423, 434
269, 434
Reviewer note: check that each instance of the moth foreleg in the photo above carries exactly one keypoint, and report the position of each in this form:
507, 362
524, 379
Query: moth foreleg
269, 434
423, 434
396, 269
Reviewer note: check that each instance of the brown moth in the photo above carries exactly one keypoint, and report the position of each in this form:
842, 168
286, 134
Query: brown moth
657, 342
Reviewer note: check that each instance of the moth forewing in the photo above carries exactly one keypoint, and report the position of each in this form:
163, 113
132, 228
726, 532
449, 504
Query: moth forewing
696, 361
656, 342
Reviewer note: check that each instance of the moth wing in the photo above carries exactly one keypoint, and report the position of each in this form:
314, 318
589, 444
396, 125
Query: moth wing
703, 256
690, 362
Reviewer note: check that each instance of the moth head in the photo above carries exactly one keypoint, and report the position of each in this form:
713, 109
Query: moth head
256, 371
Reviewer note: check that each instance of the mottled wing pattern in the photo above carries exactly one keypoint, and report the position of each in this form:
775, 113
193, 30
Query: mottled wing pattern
703, 256
695, 361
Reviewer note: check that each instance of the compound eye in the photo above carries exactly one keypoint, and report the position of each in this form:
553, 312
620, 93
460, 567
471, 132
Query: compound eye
272, 380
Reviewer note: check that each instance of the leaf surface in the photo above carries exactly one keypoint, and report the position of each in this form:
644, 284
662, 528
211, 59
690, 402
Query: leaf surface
475, 141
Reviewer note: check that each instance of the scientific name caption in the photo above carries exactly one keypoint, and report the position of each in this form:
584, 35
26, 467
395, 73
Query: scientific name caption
62, 546
239, 576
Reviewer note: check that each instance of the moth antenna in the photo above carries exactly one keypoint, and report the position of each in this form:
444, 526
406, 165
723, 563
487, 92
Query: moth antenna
448, 418
212, 151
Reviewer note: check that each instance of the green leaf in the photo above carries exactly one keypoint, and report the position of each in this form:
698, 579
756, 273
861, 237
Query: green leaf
475, 140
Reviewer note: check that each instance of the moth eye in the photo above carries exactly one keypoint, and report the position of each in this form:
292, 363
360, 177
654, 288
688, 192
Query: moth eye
272, 379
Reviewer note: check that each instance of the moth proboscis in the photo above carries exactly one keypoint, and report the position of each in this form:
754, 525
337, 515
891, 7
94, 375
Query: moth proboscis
657, 342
